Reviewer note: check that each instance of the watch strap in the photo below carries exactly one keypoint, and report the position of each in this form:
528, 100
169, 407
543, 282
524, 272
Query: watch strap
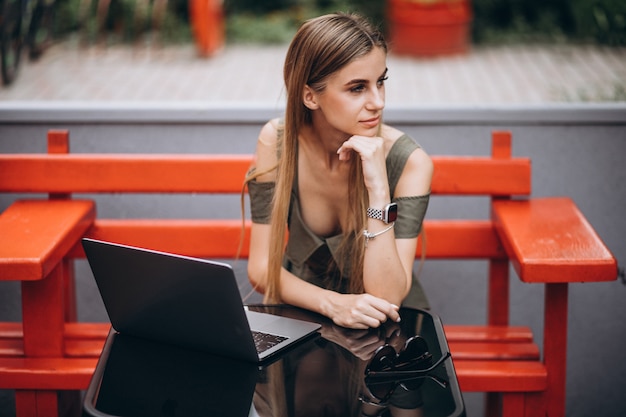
373, 213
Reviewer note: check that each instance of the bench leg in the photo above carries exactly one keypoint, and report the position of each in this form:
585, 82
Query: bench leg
535, 404
523, 404
498, 301
71, 309
36, 403
513, 404
43, 314
42, 320
555, 346
47, 403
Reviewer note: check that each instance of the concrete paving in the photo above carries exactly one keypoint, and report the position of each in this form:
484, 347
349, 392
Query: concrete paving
523, 74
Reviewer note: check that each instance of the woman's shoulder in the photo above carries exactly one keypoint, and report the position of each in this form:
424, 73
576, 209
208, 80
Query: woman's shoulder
398, 143
266, 156
398, 140
391, 134
414, 165
270, 132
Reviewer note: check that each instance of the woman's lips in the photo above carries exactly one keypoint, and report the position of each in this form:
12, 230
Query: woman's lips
373, 122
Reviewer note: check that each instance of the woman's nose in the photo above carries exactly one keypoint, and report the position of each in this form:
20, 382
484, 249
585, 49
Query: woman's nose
376, 99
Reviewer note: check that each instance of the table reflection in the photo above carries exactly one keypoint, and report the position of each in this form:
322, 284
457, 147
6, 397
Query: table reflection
324, 376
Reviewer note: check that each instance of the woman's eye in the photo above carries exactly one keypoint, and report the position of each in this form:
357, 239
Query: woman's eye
357, 88
381, 82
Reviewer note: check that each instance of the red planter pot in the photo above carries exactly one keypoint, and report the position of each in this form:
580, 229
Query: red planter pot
429, 28
207, 24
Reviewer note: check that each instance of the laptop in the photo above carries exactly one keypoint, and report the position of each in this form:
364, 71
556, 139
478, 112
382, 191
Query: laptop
188, 302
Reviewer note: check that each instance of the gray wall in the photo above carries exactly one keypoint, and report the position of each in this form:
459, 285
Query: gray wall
576, 151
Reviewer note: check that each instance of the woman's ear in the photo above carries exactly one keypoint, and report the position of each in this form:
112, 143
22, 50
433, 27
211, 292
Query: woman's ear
309, 98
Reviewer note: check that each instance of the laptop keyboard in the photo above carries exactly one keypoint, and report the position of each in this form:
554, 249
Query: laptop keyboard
264, 341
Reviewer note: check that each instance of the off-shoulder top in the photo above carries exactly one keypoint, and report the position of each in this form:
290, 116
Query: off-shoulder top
314, 258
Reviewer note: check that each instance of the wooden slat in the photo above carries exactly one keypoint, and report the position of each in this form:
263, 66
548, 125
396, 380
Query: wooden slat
11, 330
74, 348
494, 351
46, 373
459, 239
500, 376
481, 176
11, 347
75, 330
11, 339
82, 173
198, 238
46, 230
83, 348
549, 240
445, 239
97, 173
82, 330
472, 333
80, 339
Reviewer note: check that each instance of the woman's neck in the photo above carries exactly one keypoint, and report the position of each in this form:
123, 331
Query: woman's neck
322, 143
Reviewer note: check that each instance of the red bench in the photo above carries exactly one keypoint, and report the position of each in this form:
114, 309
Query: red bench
547, 240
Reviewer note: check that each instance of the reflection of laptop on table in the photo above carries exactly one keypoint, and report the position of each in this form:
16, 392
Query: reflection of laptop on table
184, 301
139, 378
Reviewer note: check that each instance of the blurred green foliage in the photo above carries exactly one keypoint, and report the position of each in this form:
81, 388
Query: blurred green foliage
600, 21
275, 21
124, 21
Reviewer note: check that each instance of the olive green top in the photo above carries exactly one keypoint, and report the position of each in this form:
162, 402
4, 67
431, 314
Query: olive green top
313, 258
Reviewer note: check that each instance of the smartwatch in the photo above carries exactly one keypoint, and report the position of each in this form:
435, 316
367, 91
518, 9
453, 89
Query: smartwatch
387, 215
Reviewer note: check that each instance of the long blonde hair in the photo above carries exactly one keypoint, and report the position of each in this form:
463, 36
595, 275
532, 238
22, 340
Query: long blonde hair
321, 47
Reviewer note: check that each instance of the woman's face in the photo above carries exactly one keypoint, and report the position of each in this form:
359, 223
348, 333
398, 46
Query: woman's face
354, 97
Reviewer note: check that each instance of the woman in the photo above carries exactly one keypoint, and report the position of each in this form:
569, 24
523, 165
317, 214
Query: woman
337, 177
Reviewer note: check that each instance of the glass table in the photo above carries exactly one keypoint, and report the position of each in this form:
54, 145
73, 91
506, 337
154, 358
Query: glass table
338, 372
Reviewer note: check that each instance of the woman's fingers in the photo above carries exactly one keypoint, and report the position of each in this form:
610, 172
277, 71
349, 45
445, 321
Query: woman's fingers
366, 147
372, 154
361, 311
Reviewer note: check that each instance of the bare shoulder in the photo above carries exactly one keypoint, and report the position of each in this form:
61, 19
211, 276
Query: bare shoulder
266, 150
420, 160
269, 133
390, 134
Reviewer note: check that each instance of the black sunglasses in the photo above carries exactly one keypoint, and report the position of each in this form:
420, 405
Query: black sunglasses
408, 368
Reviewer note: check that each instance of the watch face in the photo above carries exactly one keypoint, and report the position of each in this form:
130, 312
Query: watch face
392, 212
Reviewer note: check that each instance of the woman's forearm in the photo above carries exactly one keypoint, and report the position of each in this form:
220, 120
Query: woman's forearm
300, 293
358, 311
384, 275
